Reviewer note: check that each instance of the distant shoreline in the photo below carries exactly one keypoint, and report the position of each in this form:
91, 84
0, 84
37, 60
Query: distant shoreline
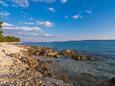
64, 41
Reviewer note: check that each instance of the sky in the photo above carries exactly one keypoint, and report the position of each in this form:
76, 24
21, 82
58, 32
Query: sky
58, 20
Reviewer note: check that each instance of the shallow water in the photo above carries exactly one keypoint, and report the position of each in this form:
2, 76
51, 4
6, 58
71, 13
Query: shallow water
102, 70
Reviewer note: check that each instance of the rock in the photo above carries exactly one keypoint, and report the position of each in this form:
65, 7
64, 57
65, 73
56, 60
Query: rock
68, 52
53, 54
43, 51
74, 55
48, 52
79, 57
113, 80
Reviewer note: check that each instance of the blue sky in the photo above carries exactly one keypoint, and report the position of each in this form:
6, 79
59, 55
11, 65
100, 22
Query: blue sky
58, 20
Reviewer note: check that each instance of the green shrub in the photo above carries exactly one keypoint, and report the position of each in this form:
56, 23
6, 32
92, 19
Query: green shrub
8, 38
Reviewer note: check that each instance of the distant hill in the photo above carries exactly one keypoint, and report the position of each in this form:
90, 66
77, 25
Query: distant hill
85, 40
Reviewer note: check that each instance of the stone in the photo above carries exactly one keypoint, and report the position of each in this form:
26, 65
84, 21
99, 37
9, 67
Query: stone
68, 52
43, 51
74, 55
113, 80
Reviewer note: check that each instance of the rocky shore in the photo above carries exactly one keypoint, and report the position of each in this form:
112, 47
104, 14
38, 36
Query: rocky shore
20, 67
48, 52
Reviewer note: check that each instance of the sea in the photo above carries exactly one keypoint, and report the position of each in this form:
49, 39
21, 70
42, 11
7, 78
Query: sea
104, 49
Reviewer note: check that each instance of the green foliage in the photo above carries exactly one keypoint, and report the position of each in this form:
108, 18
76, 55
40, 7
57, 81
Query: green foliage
2, 38
11, 39
8, 38
1, 32
1, 23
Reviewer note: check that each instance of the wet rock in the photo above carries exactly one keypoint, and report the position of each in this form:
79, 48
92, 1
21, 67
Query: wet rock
43, 51
79, 57
53, 54
74, 55
68, 52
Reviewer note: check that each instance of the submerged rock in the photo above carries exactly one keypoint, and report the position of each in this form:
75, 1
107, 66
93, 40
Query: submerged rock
74, 55
78, 56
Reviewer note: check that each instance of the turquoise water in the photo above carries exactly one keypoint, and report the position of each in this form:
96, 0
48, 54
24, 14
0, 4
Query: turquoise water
104, 49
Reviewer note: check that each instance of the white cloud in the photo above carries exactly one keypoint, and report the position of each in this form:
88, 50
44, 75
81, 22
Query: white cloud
28, 23
8, 26
35, 22
30, 28
76, 16
51, 35
66, 17
48, 35
27, 33
23, 28
34, 34
3, 3
51, 9
26, 3
4, 13
21, 3
64, 1
24, 32
45, 23
89, 11
45, 1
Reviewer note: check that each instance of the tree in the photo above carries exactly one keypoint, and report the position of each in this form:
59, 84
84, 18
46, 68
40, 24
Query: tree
6, 38
1, 32
1, 24
11, 39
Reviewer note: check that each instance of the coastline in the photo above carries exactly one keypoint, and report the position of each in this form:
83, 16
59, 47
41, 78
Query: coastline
20, 67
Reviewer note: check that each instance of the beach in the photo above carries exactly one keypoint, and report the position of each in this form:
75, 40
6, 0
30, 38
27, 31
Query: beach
17, 68
20, 67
